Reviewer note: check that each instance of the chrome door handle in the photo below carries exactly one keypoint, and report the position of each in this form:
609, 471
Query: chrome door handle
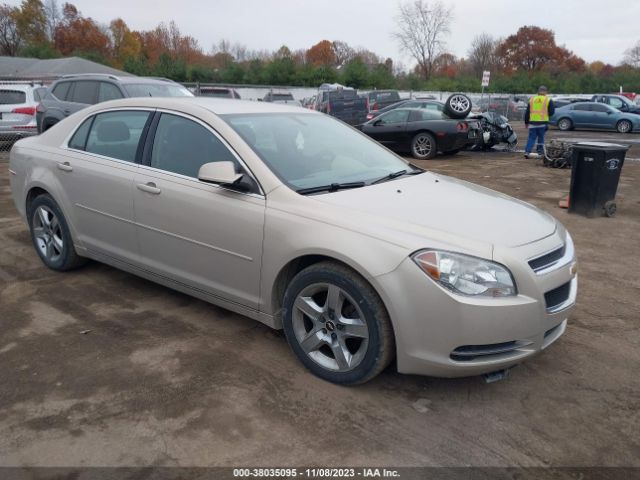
148, 187
65, 167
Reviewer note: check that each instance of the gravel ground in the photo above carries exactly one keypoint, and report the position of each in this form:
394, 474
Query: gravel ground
100, 367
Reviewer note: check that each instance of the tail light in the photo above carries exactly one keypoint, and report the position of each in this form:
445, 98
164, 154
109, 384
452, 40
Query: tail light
25, 110
328, 107
462, 127
375, 107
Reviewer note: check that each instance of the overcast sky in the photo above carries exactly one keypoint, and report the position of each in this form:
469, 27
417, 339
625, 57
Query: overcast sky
593, 29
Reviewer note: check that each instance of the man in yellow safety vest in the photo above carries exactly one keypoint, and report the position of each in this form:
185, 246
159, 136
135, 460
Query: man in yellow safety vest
536, 119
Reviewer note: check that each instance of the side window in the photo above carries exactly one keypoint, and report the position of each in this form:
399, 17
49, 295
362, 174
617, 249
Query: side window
117, 134
599, 108
79, 139
583, 108
412, 104
85, 92
108, 91
182, 146
61, 90
396, 116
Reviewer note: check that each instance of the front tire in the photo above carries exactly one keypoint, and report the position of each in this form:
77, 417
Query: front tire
51, 236
423, 146
337, 325
565, 124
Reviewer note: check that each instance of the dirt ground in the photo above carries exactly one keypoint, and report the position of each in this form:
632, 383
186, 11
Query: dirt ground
99, 367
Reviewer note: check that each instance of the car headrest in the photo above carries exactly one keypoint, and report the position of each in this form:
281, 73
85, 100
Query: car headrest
113, 131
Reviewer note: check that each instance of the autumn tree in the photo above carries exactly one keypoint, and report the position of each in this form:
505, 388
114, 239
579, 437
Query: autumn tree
422, 28
482, 53
321, 54
126, 45
10, 40
533, 48
76, 34
31, 22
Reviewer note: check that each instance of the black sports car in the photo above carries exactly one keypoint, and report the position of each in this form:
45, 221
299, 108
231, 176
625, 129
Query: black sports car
422, 132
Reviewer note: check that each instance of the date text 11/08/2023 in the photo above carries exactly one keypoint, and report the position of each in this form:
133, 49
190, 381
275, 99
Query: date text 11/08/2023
315, 473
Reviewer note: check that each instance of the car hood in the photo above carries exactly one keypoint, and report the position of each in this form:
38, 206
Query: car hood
437, 207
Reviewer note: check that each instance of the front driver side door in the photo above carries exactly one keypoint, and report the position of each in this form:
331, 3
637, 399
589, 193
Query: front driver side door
389, 128
195, 233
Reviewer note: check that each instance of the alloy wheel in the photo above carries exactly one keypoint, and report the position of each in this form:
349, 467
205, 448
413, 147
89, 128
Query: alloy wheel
47, 232
459, 103
330, 327
423, 146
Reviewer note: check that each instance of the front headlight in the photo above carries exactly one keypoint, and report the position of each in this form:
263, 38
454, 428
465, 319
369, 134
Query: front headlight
466, 275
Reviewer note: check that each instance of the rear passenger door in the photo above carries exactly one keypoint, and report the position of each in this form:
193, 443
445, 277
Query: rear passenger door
96, 173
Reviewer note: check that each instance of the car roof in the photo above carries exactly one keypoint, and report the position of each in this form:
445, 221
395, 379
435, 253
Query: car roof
124, 80
218, 106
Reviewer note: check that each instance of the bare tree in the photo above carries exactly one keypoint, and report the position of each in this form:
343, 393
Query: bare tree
54, 15
422, 28
482, 53
344, 53
10, 41
632, 55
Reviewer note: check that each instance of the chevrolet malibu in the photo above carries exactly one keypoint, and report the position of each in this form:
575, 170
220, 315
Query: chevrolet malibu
301, 222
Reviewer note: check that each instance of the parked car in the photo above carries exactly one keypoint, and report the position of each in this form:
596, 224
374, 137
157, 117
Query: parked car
619, 102
594, 115
218, 92
76, 92
18, 102
415, 103
422, 132
513, 110
272, 96
344, 104
379, 99
309, 102
293, 103
294, 219
560, 102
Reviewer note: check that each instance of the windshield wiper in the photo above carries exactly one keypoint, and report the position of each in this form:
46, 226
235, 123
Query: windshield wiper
397, 174
334, 187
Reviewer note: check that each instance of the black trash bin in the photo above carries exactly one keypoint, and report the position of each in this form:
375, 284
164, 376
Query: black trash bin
594, 178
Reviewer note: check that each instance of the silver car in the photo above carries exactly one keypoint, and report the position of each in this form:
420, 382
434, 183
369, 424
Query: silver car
18, 103
303, 223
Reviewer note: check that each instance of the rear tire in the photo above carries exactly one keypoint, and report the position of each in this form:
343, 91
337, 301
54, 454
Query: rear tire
565, 124
624, 126
337, 325
423, 146
51, 236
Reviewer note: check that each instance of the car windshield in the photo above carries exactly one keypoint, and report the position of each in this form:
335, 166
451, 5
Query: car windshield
156, 90
309, 150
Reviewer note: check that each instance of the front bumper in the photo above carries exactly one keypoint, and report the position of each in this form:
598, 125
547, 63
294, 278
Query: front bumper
442, 334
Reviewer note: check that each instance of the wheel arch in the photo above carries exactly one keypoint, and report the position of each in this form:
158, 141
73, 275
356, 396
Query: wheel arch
299, 263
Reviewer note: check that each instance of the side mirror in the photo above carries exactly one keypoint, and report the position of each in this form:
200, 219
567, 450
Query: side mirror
223, 173
377, 123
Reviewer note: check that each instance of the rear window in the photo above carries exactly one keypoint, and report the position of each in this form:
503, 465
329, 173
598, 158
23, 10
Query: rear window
280, 96
216, 92
11, 97
342, 94
384, 96
156, 90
